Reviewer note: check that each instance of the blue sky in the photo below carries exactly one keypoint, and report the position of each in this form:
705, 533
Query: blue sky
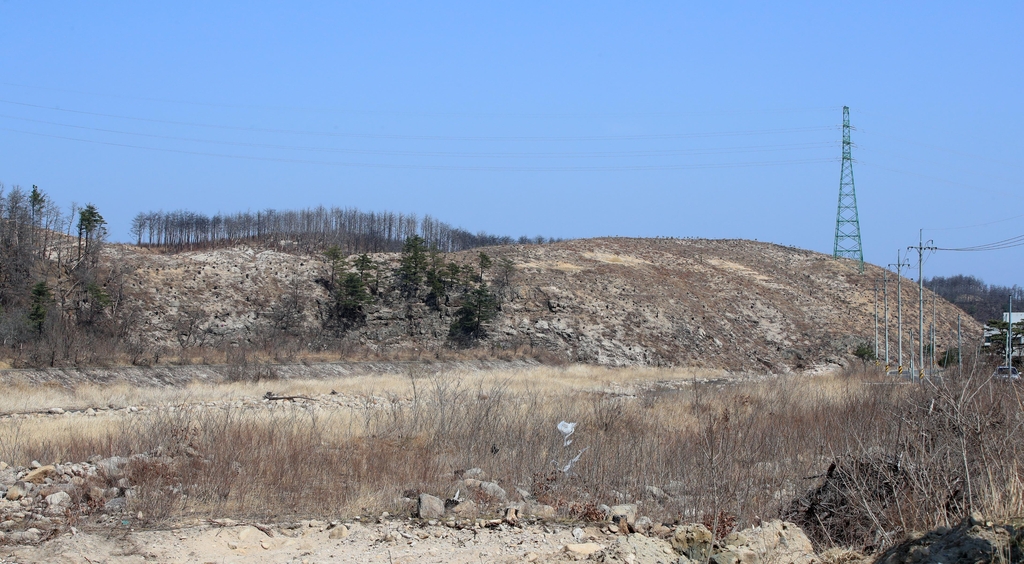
569, 119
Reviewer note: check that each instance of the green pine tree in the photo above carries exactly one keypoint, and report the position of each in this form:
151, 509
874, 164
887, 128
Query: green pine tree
41, 298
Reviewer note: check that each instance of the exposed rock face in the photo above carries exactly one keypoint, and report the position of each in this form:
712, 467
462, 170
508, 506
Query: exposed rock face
728, 304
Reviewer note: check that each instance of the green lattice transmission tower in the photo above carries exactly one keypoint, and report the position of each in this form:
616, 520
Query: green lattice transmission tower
847, 221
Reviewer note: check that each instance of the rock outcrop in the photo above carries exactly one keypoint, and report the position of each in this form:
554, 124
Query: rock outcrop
725, 304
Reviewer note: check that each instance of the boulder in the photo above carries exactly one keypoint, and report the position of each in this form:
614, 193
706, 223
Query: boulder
465, 509
736, 555
430, 507
583, 549
97, 494
638, 549
115, 505
490, 489
339, 532
39, 475
525, 495
17, 491
693, 541
59, 499
112, 467
493, 490
624, 516
656, 493
779, 541
541, 511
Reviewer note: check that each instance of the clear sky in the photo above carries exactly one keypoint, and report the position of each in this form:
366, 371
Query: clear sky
565, 119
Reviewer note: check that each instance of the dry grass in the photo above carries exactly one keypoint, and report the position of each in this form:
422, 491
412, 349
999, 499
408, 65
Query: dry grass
23, 397
885, 457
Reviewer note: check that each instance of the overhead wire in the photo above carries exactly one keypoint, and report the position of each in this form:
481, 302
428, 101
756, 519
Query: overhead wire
635, 137
751, 111
439, 167
599, 154
1010, 243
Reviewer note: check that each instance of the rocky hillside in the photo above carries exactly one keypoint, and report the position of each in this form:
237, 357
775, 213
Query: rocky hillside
731, 304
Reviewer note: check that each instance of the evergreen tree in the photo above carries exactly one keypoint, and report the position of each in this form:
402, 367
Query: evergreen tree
412, 268
478, 307
350, 300
41, 298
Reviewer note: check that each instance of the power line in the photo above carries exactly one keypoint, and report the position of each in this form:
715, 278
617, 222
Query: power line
973, 226
935, 178
1010, 243
440, 167
399, 112
599, 154
437, 137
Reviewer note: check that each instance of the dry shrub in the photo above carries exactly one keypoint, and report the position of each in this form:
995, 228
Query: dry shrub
943, 451
866, 460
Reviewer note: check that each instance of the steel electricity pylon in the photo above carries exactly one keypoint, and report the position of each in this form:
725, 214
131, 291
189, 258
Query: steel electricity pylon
847, 221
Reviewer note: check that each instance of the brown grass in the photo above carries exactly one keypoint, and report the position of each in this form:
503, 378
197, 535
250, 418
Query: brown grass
859, 459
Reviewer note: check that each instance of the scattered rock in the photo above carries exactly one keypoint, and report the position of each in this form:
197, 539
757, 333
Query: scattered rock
493, 490
525, 495
58, 499
656, 493
584, 549
542, 511
638, 549
115, 505
465, 509
17, 491
339, 532
693, 541
40, 474
55, 411
779, 541
490, 489
112, 467
736, 555
624, 516
29, 536
430, 507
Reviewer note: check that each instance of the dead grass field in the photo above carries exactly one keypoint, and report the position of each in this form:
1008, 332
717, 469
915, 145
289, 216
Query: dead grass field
861, 459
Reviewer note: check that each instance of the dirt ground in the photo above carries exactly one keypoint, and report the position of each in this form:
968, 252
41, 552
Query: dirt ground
391, 542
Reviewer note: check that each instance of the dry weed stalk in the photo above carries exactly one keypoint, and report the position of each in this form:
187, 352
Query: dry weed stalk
855, 460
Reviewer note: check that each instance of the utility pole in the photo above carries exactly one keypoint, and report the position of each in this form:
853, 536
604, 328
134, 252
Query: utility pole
920, 294
885, 314
876, 323
899, 308
1009, 334
847, 242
